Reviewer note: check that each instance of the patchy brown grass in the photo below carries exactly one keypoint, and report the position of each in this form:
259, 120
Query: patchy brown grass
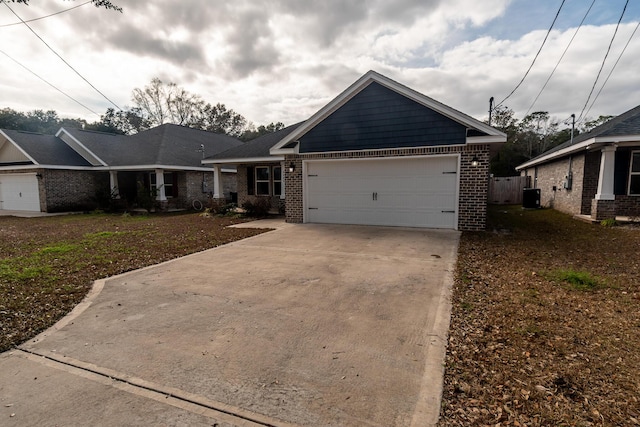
47, 265
545, 325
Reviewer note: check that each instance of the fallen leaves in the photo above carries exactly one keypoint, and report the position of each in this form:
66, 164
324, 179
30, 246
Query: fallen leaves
524, 350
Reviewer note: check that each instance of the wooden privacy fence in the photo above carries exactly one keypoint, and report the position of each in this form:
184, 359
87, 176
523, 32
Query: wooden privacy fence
507, 190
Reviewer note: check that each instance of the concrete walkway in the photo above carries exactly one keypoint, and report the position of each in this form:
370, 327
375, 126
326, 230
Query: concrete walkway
306, 325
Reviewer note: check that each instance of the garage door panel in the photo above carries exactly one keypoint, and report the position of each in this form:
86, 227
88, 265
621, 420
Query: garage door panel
19, 192
414, 192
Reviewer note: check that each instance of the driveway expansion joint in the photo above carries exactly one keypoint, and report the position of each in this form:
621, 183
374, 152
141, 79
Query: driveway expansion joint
70, 365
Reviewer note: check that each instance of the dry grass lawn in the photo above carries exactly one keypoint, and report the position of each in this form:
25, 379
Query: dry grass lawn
47, 265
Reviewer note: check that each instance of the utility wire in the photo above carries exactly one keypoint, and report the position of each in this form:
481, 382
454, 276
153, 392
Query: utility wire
603, 61
46, 16
612, 68
561, 57
62, 59
535, 58
50, 84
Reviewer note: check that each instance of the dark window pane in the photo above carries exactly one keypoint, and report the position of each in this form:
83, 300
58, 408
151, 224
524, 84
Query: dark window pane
634, 188
277, 173
168, 178
262, 174
262, 188
277, 188
635, 163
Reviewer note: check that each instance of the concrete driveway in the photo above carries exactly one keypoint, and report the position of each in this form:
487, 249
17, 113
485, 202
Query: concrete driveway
306, 325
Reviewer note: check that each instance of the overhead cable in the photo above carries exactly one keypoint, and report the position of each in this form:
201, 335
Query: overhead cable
50, 84
611, 71
63, 60
535, 58
561, 57
603, 61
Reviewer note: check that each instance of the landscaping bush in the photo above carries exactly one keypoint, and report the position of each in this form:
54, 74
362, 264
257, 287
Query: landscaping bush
257, 208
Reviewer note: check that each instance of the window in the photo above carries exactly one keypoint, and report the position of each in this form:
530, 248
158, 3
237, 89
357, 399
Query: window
262, 180
169, 186
634, 174
277, 180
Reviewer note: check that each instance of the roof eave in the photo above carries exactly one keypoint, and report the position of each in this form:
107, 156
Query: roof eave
241, 160
19, 148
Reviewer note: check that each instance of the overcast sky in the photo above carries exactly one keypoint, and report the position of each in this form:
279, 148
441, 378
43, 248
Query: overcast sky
282, 60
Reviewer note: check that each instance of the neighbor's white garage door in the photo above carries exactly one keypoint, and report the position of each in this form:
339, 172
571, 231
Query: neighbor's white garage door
19, 192
409, 192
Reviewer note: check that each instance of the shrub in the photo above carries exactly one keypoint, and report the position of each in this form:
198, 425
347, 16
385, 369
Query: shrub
609, 222
257, 208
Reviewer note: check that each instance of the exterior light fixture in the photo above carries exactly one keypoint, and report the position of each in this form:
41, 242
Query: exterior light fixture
292, 167
474, 161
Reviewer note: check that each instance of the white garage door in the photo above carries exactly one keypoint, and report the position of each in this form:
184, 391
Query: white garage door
407, 192
19, 192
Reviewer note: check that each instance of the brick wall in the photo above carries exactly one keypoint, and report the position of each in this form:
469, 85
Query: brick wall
628, 206
277, 204
603, 209
65, 190
554, 174
474, 180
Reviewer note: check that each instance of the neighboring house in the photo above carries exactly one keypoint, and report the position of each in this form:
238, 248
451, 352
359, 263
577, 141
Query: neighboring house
75, 169
380, 153
596, 174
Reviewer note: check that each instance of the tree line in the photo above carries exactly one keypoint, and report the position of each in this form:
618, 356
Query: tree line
155, 104
533, 135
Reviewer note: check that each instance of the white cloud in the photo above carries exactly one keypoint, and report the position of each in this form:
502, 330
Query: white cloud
283, 59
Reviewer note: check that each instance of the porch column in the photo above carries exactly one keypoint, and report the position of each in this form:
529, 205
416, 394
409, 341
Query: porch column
113, 184
160, 196
217, 182
283, 171
605, 180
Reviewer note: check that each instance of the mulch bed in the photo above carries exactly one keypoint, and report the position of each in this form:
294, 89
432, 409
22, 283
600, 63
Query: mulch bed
528, 349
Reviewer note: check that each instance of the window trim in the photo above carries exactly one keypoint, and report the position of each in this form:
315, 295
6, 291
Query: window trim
171, 186
274, 180
260, 181
632, 173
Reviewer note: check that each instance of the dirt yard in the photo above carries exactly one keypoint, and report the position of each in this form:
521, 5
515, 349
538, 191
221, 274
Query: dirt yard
545, 328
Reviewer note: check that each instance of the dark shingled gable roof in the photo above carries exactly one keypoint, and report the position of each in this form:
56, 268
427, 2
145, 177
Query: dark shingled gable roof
46, 149
627, 123
256, 148
167, 144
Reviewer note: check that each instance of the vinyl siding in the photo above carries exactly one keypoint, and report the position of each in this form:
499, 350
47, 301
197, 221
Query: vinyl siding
378, 117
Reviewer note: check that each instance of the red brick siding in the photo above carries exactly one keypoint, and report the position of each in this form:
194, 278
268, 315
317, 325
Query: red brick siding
590, 181
277, 204
67, 190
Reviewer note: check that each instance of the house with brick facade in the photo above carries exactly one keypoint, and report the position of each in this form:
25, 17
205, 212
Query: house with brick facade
595, 174
76, 169
380, 153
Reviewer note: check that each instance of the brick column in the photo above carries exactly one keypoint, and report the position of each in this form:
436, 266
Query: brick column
293, 183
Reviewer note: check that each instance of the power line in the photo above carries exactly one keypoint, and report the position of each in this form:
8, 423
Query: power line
46, 16
535, 58
561, 57
612, 68
62, 59
50, 84
603, 61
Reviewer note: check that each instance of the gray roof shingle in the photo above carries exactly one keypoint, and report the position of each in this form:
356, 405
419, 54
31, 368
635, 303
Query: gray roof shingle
168, 144
256, 148
627, 123
46, 149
